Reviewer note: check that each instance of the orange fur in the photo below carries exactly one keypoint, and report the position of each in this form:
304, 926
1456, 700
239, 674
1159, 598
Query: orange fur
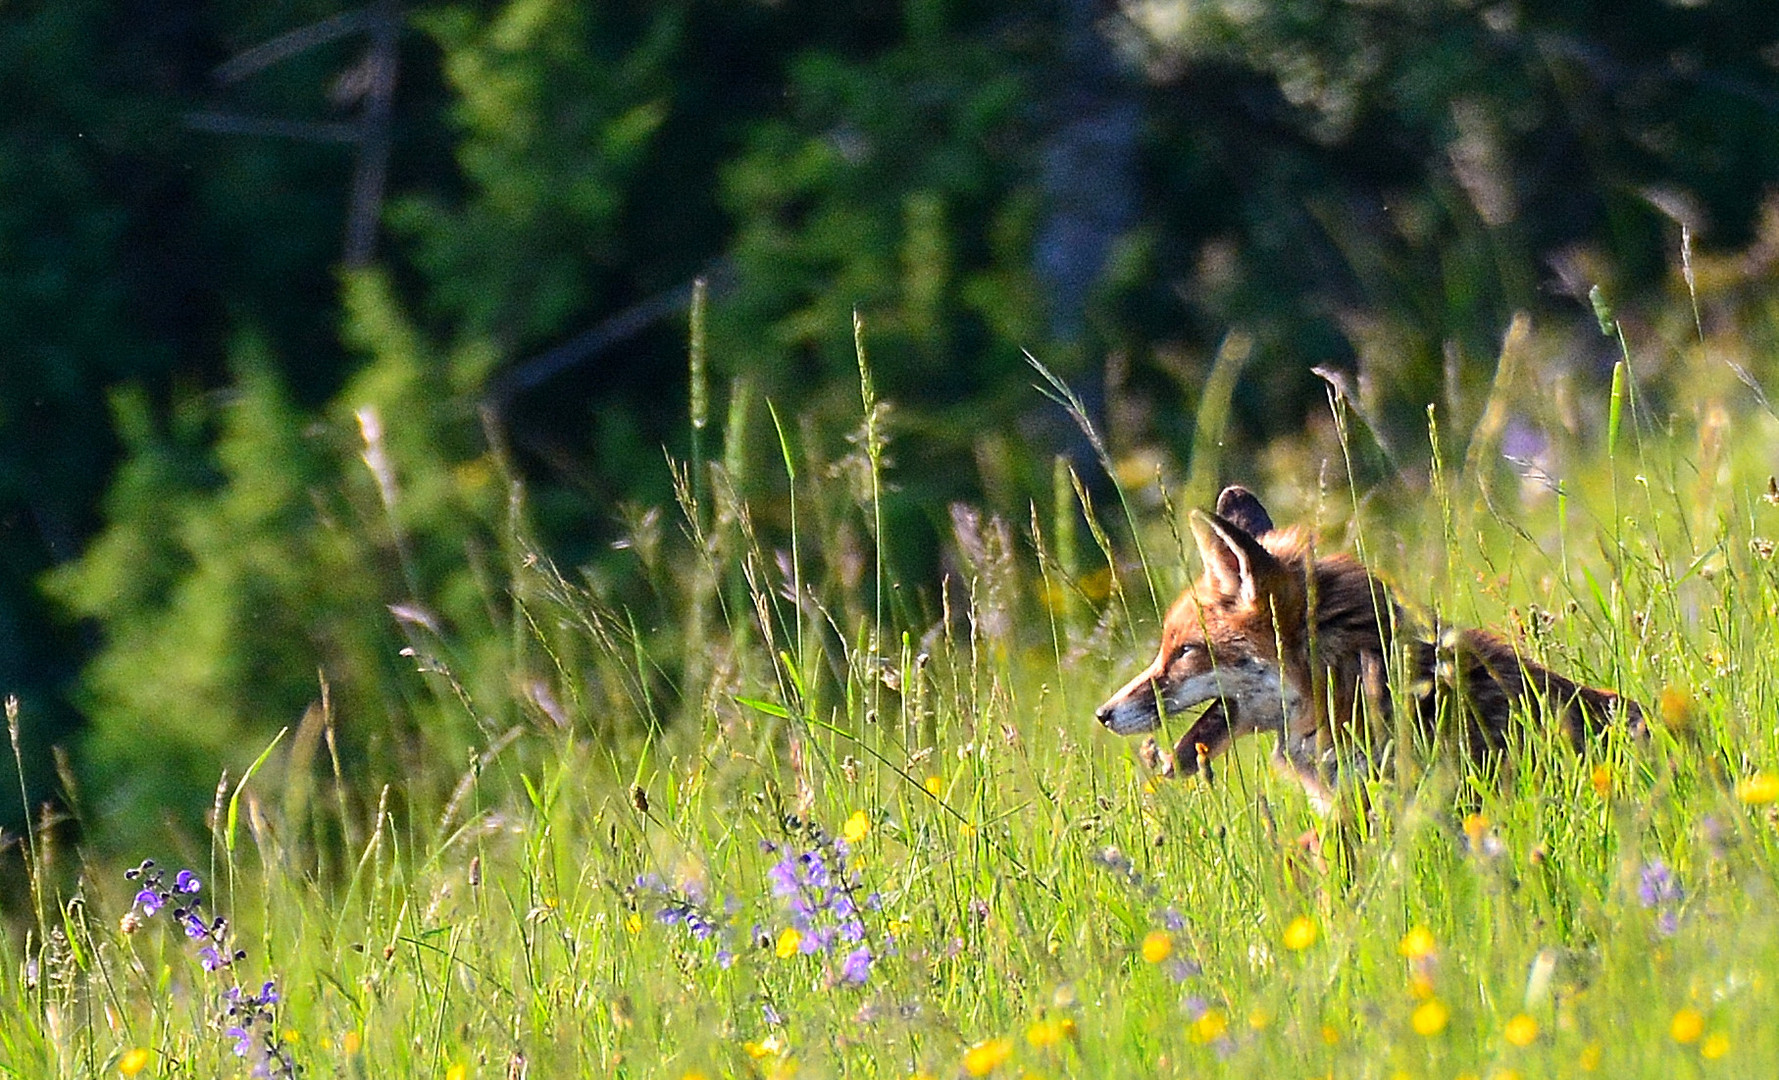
1276, 638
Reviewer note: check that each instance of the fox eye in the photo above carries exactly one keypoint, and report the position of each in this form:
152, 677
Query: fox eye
1186, 649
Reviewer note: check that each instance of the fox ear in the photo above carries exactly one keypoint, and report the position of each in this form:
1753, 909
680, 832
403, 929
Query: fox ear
1238, 506
1233, 557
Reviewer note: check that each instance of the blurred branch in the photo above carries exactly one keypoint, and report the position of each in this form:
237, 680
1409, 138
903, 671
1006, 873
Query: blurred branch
284, 46
372, 173
589, 344
309, 130
372, 81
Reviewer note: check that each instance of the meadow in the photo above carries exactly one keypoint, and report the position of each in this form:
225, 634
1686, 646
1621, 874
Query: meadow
807, 820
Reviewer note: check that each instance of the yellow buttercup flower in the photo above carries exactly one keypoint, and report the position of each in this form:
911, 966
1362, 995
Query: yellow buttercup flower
1210, 1027
1301, 933
1157, 946
1590, 1057
1688, 1025
1714, 1047
1762, 787
987, 1056
788, 943
457, 1071
1602, 780
1522, 1030
133, 1061
1417, 944
1476, 826
856, 827
1430, 1017
771, 1046
1047, 1031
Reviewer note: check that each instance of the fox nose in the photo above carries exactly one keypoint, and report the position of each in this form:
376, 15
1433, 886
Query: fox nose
1104, 714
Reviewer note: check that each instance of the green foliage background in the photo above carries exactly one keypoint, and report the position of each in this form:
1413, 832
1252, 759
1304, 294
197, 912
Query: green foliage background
191, 538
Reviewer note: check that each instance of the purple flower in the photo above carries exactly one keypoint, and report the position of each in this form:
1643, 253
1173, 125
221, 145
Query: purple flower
150, 901
857, 966
1180, 970
783, 878
1658, 884
210, 958
186, 882
1173, 920
243, 1039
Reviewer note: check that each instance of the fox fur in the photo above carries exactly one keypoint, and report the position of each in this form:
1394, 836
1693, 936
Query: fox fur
1275, 637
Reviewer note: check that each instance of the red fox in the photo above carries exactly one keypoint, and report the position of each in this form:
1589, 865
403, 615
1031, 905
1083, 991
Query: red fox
1277, 638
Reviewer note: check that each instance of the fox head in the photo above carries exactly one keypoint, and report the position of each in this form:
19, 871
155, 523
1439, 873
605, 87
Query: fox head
1223, 639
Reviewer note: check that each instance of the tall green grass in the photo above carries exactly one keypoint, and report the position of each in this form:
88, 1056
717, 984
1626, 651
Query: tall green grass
669, 867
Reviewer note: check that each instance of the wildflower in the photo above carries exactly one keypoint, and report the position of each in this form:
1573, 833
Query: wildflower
935, 786
243, 1039
788, 943
857, 966
1761, 788
1687, 1026
771, 1046
1715, 1046
857, 827
1480, 838
1429, 1017
1301, 933
1046, 1032
133, 1061
457, 1071
987, 1056
1590, 1057
1417, 944
1656, 884
1602, 780
186, 882
1158, 945
1210, 1027
1521, 1031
